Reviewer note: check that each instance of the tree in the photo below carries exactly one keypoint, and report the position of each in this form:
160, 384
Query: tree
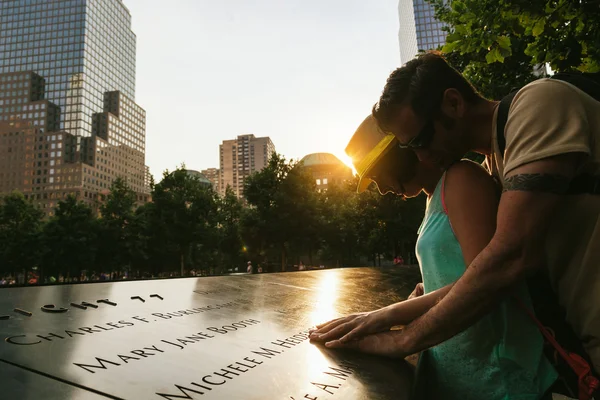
186, 217
262, 225
496, 44
152, 251
399, 221
20, 225
230, 239
297, 208
70, 239
117, 241
339, 211
283, 204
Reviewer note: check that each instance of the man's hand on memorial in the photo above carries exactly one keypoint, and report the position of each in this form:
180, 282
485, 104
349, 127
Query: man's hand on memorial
387, 344
351, 327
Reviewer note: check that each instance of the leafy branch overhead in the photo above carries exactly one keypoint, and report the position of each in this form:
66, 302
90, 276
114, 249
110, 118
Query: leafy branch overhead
485, 34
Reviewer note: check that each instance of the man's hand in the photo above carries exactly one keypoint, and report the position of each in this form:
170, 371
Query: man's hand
387, 344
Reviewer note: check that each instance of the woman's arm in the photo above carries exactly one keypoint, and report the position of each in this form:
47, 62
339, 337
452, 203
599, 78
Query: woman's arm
405, 311
358, 325
471, 199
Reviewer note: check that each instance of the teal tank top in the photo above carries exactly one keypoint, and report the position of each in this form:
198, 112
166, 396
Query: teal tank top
498, 358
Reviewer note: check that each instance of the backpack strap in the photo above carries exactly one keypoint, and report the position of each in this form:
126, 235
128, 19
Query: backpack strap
588, 383
501, 120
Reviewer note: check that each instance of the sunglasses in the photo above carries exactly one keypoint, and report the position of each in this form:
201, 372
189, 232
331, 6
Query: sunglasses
422, 139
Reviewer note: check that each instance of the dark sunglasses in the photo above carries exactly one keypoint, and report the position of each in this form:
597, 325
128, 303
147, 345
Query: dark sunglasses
422, 139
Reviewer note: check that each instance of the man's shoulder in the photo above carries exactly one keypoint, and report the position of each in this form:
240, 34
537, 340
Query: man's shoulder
546, 101
547, 118
550, 90
546, 88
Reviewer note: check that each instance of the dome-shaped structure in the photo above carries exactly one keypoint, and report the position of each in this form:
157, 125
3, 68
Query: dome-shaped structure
326, 169
321, 159
203, 180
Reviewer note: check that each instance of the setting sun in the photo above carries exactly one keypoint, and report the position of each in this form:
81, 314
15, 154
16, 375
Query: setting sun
346, 160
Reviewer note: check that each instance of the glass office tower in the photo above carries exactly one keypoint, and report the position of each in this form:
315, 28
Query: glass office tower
419, 30
82, 48
83, 54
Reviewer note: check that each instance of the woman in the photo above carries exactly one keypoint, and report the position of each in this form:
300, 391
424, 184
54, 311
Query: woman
500, 357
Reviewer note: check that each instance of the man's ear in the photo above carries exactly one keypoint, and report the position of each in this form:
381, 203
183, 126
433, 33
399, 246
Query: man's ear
453, 104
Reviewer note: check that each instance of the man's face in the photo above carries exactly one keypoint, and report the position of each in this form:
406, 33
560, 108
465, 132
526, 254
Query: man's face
444, 146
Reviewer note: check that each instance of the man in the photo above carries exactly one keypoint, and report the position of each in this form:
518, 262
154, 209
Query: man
545, 223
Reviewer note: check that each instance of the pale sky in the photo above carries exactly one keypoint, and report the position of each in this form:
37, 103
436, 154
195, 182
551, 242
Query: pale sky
304, 72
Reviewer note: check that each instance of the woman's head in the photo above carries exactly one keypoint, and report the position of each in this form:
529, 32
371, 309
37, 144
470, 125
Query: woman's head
400, 172
377, 156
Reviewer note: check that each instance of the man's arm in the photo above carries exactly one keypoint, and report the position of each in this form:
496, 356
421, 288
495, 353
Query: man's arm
532, 193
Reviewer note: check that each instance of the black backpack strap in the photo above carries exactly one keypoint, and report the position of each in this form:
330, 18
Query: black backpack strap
501, 120
587, 82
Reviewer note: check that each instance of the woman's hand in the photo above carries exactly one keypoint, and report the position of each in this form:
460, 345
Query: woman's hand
359, 325
387, 344
419, 291
351, 327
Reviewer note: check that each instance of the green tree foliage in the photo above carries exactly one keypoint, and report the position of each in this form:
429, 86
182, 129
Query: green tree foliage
187, 227
20, 226
283, 208
340, 226
497, 43
287, 216
70, 240
117, 240
397, 218
185, 211
231, 246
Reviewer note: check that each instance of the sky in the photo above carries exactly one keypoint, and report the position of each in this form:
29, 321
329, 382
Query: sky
303, 72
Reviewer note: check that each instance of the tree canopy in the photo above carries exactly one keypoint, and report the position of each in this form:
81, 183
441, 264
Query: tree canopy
188, 229
497, 44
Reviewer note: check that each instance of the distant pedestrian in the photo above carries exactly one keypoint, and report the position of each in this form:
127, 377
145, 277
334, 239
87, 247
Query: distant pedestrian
250, 269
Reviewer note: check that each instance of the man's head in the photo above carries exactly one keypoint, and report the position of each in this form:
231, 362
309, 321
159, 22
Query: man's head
426, 105
377, 158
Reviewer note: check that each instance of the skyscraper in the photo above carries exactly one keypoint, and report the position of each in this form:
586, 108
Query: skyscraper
241, 157
419, 30
212, 174
80, 57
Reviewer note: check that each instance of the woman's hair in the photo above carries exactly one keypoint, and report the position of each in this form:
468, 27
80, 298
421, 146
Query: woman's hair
400, 164
421, 83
